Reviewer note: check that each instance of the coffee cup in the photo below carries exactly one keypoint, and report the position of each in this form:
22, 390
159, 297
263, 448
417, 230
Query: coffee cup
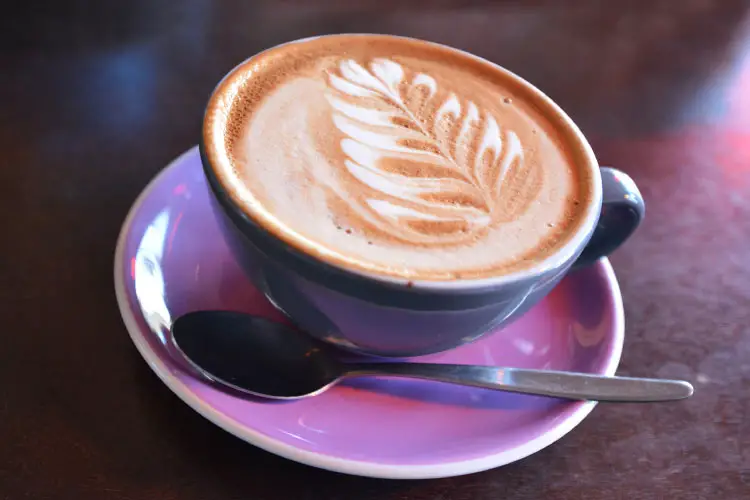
396, 197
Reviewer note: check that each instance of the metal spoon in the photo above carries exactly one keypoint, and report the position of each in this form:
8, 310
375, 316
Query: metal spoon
268, 359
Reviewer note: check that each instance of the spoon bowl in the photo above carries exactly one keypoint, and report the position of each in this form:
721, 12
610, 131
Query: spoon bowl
254, 355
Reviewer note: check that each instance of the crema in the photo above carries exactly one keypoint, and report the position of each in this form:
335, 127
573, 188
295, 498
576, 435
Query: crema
396, 156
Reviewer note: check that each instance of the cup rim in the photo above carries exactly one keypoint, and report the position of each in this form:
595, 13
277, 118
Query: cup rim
565, 254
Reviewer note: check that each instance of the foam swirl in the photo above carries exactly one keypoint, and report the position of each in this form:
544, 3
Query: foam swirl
437, 168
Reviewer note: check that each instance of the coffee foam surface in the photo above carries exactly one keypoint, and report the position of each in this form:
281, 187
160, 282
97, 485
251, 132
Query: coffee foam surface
396, 157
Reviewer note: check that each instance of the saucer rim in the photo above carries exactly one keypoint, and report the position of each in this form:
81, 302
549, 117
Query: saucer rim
321, 460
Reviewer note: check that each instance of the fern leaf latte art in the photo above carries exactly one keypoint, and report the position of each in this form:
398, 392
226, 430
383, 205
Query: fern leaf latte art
453, 165
398, 157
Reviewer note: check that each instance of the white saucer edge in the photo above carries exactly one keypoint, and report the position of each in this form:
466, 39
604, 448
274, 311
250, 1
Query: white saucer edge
353, 467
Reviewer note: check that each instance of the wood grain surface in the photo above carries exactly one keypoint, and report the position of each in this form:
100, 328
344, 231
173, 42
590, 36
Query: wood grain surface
96, 97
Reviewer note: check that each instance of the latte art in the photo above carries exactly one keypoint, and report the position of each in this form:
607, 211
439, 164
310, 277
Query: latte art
472, 173
397, 157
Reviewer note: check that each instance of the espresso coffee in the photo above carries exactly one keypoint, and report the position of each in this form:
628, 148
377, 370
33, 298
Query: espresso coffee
398, 157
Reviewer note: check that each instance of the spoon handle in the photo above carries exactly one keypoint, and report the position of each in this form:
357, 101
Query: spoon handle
568, 385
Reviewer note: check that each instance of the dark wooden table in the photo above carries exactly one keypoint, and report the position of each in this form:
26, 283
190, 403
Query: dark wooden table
98, 96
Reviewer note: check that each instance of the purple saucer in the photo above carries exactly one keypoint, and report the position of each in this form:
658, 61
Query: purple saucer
171, 259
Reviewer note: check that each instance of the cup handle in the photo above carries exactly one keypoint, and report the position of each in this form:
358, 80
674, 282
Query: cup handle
622, 212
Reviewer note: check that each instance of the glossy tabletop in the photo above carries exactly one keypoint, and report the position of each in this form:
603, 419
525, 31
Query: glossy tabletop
96, 97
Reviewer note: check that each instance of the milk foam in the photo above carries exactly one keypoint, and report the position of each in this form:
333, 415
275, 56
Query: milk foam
400, 159
373, 135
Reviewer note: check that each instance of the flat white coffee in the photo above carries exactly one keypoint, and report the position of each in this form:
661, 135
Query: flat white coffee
396, 156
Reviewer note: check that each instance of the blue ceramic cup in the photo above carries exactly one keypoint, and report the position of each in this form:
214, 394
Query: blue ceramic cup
393, 317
